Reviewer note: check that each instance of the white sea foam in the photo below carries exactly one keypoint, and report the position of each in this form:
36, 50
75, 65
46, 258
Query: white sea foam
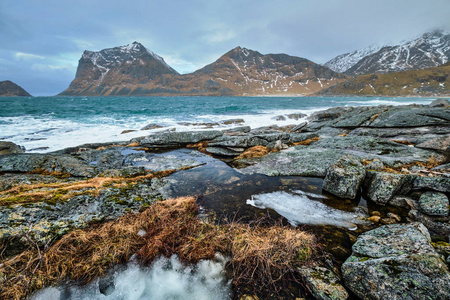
167, 278
300, 209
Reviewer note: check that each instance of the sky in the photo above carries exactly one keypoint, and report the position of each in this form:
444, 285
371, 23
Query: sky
41, 41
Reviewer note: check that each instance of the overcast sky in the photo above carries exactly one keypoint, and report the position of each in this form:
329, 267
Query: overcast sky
42, 41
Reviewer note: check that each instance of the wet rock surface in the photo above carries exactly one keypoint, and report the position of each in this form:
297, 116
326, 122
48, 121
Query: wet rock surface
10, 147
323, 283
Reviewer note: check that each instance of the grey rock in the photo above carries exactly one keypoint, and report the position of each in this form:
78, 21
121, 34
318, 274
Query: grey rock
412, 116
323, 283
437, 183
381, 187
279, 118
440, 103
434, 204
436, 226
232, 122
240, 129
294, 161
440, 144
403, 201
376, 165
222, 151
299, 127
176, 139
396, 262
152, 126
10, 147
344, 177
295, 116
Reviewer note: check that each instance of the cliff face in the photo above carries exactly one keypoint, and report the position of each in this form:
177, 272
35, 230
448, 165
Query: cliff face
134, 70
10, 89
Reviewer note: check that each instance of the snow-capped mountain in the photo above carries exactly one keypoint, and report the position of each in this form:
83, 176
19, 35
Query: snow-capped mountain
132, 64
134, 70
343, 62
428, 50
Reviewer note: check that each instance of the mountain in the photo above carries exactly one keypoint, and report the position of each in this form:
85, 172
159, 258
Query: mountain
426, 82
100, 73
239, 72
431, 49
9, 89
343, 62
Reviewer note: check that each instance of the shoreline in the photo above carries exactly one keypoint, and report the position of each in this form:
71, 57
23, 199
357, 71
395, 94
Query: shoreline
353, 149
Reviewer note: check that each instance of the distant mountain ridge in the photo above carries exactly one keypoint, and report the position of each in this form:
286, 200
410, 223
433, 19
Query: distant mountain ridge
134, 70
426, 82
10, 89
431, 49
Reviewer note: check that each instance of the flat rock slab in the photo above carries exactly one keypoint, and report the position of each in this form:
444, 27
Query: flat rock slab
396, 262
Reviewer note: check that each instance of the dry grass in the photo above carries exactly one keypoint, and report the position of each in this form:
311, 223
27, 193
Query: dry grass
31, 193
256, 151
408, 143
261, 257
405, 168
308, 141
200, 146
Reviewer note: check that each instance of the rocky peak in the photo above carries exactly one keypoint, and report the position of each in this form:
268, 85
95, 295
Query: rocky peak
9, 88
430, 49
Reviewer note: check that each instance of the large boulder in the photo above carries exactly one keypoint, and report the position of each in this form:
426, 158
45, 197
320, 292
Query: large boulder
381, 187
437, 183
396, 262
344, 177
434, 204
10, 147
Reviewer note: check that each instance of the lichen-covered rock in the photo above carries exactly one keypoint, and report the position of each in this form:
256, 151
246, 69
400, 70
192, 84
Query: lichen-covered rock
438, 183
375, 165
344, 177
10, 147
396, 262
323, 283
440, 103
439, 227
381, 186
176, 139
434, 204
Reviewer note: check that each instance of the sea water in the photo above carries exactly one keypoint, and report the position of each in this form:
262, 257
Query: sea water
44, 124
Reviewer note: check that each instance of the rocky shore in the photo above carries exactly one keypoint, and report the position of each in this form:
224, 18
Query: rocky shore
394, 156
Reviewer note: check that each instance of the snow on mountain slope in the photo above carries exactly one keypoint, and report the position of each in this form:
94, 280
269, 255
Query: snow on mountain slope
428, 50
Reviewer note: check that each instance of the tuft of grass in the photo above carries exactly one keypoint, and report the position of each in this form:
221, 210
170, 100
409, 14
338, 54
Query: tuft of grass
261, 258
256, 151
408, 143
200, 146
307, 142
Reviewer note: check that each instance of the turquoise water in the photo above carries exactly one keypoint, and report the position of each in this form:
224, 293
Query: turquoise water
50, 123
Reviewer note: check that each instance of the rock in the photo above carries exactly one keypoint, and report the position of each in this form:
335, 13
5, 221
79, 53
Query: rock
374, 219
403, 201
176, 139
232, 122
279, 118
438, 183
344, 177
279, 146
396, 262
434, 204
391, 215
299, 127
440, 228
240, 129
323, 283
10, 148
375, 165
127, 131
412, 116
381, 187
295, 116
294, 161
222, 151
440, 103
440, 144
152, 126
